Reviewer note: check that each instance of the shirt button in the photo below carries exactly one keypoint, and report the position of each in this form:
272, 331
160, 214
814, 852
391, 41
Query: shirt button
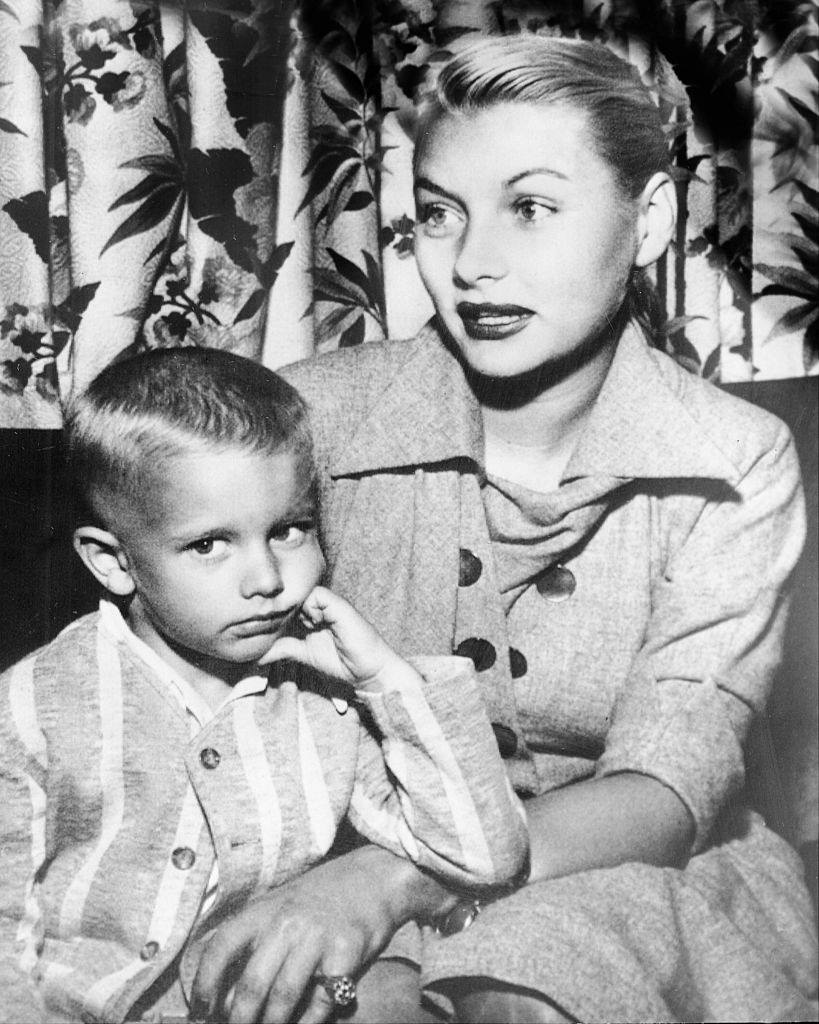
517, 663
470, 568
556, 584
506, 739
149, 950
209, 757
481, 652
183, 858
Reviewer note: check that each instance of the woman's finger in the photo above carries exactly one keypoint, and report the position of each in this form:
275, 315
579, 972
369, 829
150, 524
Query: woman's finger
293, 997
213, 978
319, 1007
269, 995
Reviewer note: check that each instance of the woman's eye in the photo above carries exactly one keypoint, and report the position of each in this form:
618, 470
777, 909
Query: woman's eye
532, 210
435, 218
207, 546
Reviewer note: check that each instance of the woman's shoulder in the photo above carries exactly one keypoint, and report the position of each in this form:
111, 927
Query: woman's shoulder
741, 430
337, 378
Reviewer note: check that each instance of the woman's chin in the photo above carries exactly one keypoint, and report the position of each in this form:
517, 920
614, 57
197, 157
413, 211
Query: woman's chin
498, 360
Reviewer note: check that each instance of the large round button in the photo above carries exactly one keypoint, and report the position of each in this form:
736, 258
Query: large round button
469, 569
481, 652
209, 757
183, 858
517, 663
557, 583
506, 739
149, 950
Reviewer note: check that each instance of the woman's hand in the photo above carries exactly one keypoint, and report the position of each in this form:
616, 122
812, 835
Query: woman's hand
335, 919
338, 643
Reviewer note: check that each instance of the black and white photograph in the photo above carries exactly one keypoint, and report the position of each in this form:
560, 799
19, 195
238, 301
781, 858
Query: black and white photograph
409, 511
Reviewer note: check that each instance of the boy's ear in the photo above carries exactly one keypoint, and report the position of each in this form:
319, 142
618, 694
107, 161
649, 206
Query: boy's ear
657, 218
105, 559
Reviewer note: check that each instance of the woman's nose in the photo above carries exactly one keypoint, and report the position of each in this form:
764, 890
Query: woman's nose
262, 575
479, 255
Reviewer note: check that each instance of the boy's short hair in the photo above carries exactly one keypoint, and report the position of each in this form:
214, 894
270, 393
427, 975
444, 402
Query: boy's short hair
159, 404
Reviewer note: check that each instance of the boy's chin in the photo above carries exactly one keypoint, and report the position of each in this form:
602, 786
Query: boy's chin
248, 651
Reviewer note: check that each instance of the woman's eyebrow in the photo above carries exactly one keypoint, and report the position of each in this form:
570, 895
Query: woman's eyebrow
550, 171
430, 186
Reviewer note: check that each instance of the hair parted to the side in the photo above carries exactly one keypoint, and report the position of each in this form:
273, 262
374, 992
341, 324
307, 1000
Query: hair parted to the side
166, 402
624, 121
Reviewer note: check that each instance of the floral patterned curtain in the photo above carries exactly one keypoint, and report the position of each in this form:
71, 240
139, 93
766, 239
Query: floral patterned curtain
236, 173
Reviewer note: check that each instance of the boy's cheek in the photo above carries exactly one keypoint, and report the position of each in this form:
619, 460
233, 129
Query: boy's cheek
319, 561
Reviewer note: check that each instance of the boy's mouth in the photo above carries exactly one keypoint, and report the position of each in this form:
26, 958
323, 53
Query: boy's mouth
263, 625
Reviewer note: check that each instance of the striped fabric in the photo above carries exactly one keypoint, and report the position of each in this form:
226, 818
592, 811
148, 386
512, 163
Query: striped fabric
116, 811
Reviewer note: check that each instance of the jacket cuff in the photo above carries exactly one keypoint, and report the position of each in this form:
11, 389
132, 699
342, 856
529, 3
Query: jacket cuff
684, 738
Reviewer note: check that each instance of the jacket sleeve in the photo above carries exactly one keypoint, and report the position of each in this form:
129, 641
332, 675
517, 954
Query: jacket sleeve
23, 841
430, 783
713, 640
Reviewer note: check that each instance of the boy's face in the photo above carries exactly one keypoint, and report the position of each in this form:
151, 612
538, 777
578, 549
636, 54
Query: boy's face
222, 554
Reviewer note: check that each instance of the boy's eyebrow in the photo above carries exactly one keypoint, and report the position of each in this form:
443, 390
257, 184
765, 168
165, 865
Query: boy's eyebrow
198, 530
305, 509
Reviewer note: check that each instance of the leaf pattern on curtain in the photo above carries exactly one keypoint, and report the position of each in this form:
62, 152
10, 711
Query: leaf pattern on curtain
142, 205
237, 174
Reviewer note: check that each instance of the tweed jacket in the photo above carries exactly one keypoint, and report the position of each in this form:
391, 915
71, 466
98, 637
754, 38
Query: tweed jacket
680, 516
115, 807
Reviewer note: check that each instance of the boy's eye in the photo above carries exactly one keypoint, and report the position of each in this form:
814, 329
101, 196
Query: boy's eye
291, 534
206, 546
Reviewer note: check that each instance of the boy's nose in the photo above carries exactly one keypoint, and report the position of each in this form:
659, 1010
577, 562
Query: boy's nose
262, 576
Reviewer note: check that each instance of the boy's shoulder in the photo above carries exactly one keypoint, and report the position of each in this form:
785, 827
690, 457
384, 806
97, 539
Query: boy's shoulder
46, 692
72, 648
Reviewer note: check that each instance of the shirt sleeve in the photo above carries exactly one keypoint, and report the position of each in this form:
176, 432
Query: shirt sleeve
23, 842
430, 783
713, 640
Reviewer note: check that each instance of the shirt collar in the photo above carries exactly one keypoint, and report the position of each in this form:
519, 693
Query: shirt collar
118, 629
639, 426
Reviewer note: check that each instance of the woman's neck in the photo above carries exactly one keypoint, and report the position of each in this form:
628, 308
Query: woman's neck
543, 412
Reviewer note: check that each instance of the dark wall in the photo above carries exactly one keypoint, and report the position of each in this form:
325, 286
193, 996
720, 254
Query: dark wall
43, 584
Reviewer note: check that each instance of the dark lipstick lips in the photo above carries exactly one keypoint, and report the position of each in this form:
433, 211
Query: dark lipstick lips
486, 322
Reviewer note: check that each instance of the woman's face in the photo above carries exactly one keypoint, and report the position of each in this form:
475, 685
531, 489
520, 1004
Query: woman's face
524, 240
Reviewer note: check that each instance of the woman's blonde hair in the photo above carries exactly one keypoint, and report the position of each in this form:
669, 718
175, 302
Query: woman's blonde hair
623, 119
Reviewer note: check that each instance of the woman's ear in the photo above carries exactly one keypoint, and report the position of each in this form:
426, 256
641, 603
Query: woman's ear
105, 559
657, 218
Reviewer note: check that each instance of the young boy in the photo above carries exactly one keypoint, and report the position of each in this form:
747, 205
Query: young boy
152, 776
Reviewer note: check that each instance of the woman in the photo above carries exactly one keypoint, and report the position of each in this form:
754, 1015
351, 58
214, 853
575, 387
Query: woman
529, 485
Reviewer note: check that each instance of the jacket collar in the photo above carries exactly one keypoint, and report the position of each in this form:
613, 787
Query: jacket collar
638, 428
426, 413
641, 427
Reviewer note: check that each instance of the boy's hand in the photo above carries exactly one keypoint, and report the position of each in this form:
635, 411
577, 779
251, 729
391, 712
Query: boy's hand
339, 643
